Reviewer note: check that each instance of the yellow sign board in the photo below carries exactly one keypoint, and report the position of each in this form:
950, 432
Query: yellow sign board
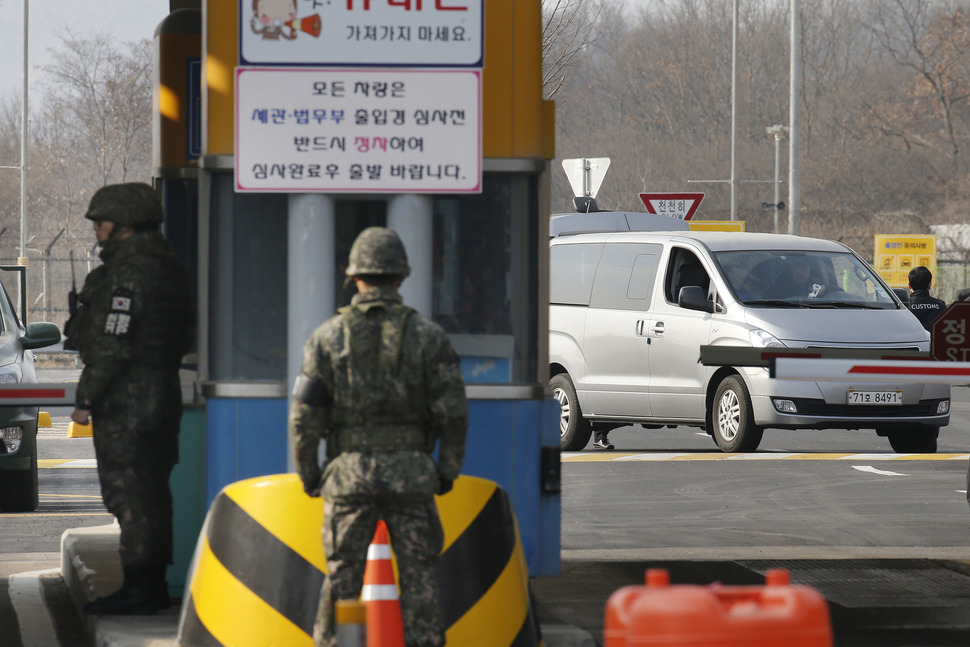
895, 256
716, 225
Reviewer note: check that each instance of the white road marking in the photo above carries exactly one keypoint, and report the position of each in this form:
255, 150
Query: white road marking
620, 455
27, 597
64, 463
873, 470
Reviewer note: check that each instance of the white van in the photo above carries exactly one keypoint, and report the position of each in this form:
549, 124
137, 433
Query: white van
630, 310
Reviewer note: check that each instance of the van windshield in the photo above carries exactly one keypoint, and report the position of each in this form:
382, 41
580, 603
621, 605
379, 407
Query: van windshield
800, 279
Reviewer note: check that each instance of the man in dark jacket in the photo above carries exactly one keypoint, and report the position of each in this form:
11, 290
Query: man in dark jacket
132, 328
925, 307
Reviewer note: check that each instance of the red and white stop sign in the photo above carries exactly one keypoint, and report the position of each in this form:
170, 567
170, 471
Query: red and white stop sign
950, 334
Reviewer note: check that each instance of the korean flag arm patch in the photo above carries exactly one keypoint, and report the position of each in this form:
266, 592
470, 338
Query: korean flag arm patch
119, 323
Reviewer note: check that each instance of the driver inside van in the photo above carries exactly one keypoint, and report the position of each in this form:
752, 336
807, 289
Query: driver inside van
799, 282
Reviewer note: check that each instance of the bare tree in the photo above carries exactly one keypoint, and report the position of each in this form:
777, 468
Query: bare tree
567, 31
935, 45
90, 125
103, 94
884, 108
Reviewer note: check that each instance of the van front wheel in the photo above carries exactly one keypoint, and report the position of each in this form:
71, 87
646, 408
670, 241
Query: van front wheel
733, 419
574, 429
922, 440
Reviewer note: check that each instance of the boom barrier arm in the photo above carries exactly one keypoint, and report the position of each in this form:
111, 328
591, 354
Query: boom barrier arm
848, 370
747, 356
840, 364
27, 394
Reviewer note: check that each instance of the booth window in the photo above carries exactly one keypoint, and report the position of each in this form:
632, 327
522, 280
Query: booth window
485, 278
484, 291
247, 284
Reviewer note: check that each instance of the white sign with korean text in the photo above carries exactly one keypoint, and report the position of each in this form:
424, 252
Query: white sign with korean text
360, 131
384, 33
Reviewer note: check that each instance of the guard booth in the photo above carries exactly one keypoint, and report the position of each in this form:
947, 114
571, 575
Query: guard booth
270, 248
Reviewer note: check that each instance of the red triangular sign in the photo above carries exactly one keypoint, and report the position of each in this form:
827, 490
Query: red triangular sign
675, 205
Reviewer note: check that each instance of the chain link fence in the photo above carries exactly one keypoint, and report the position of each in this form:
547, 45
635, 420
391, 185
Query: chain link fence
50, 277
49, 280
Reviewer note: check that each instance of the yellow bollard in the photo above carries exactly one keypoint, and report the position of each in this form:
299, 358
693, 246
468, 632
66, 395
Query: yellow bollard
75, 430
44, 419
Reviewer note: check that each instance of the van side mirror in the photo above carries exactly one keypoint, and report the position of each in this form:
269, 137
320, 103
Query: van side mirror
903, 295
694, 297
40, 335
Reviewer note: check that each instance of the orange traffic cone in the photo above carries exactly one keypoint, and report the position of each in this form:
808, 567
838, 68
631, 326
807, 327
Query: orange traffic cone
385, 628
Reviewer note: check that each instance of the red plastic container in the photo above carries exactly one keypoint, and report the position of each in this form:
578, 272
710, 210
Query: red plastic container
777, 614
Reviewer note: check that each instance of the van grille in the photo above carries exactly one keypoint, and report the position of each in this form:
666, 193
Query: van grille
812, 407
868, 349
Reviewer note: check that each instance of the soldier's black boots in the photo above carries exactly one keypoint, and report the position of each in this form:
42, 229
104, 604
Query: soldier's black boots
144, 592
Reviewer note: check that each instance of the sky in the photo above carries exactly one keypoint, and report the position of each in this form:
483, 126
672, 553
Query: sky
122, 20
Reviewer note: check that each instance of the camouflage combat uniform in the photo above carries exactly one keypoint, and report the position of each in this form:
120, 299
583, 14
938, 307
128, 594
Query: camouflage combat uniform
380, 384
132, 331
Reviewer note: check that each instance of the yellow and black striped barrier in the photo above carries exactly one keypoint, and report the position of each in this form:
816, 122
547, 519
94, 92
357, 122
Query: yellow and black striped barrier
259, 565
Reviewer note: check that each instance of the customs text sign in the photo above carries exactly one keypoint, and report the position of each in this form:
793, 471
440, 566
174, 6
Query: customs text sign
358, 130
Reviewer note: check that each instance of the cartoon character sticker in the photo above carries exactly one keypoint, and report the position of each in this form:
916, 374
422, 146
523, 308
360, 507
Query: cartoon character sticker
275, 18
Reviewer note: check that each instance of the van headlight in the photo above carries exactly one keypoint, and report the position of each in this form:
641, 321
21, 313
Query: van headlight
10, 438
11, 374
763, 339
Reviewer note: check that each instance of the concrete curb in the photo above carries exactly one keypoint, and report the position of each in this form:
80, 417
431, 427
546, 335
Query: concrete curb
91, 568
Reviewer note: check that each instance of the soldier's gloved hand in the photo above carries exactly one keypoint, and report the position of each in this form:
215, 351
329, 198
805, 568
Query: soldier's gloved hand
312, 486
444, 486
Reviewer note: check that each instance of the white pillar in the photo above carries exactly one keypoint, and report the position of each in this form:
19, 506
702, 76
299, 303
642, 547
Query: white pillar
311, 295
410, 215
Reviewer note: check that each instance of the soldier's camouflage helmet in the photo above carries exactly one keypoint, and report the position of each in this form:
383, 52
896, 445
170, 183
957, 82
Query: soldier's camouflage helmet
378, 250
130, 203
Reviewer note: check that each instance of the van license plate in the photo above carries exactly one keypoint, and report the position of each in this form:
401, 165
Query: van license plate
875, 397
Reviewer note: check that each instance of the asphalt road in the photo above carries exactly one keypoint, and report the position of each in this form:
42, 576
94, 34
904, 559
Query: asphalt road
884, 537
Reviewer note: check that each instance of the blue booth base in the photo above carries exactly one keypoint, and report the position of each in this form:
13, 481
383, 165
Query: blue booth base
247, 437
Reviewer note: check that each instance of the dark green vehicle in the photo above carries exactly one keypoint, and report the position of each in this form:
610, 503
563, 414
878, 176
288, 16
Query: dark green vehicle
18, 424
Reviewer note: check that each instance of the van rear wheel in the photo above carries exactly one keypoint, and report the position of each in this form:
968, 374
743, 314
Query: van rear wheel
574, 429
733, 418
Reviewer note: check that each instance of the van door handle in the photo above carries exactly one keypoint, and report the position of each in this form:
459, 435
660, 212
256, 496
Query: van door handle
658, 329
639, 328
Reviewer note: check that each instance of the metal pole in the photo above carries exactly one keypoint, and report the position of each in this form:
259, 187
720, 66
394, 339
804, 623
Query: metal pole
22, 260
777, 169
794, 202
23, 134
734, 108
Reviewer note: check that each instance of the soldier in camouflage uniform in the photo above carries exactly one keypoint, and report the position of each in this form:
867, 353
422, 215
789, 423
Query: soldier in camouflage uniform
381, 385
132, 328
